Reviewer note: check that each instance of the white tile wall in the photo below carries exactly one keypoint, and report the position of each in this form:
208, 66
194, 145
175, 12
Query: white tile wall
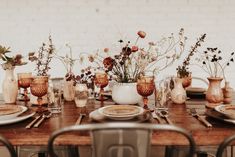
91, 24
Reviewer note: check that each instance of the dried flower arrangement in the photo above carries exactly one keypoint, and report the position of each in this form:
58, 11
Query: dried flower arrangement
43, 57
132, 61
183, 71
211, 62
10, 62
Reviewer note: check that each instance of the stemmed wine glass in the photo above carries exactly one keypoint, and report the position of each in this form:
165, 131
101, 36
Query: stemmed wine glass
101, 81
39, 88
24, 80
145, 88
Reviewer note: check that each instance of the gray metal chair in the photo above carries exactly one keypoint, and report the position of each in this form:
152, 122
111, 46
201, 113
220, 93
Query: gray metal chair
121, 139
8, 145
227, 141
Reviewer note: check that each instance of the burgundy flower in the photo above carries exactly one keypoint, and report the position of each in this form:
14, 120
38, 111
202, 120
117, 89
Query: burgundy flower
108, 63
141, 34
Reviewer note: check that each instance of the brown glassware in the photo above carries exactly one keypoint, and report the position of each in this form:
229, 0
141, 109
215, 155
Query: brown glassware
145, 88
101, 81
39, 89
24, 80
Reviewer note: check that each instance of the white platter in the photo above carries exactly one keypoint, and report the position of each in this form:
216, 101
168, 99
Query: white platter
121, 112
227, 110
10, 116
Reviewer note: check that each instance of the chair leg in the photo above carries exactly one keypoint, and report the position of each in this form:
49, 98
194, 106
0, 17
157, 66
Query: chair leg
73, 151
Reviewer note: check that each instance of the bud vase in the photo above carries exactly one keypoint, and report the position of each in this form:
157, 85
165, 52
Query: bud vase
9, 86
68, 90
214, 94
228, 93
178, 93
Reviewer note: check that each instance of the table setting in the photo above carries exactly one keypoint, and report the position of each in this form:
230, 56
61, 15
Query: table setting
125, 85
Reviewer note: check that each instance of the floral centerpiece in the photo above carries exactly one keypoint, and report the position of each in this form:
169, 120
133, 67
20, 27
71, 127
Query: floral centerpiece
211, 61
43, 57
9, 62
183, 70
132, 60
127, 65
9, 86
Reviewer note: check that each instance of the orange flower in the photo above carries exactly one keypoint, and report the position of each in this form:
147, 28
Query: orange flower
91, 58
106, 50
134, 48
141, 34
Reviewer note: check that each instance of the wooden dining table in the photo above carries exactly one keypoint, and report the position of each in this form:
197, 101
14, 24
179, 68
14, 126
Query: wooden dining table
178, 113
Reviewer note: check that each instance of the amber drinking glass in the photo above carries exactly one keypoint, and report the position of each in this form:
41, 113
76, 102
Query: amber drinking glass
145, 88
39, 88
24, 80
101, 81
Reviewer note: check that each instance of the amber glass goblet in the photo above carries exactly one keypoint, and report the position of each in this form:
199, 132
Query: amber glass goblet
101, 81
39, 89
145, 88
24, 80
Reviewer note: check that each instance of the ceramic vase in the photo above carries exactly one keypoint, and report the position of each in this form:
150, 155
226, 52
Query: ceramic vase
68, 90
214, 92
228, 93
9, 86
178, 93
125, 93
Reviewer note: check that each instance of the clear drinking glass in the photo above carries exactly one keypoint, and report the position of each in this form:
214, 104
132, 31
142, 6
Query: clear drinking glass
81, 95
55, 95
162, 96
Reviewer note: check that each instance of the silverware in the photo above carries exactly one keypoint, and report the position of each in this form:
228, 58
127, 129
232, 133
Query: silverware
44, 116
201, 119
165, 114
155, 116
79, 120
33, 121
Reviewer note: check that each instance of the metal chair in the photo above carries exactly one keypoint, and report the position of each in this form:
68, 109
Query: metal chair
121, 139
227, 141
8, 145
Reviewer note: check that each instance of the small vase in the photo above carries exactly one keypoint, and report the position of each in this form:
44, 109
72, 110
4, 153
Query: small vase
228, 93
186, 81
68, 90
214, 94
125, 93
9, 86
178, 93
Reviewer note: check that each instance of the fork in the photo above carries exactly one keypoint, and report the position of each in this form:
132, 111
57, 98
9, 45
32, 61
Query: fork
201, 119
44, 116
81, 115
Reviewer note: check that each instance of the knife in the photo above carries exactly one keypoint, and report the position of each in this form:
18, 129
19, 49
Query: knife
201, 119
32, 123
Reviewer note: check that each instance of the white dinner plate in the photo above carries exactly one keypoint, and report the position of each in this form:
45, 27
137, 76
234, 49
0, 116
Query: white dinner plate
13, 115
16, 119
227, 110
121, 112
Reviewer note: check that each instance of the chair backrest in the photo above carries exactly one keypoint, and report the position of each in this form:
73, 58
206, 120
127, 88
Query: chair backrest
227, 141
121, 139
8, 145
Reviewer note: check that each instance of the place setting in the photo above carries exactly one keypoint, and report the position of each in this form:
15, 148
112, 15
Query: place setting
223, 113
10, 114
117, 113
